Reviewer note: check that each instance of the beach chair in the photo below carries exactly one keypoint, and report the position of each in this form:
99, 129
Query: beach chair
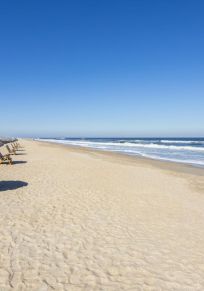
11, 151
4, 158
16, 145
15, 148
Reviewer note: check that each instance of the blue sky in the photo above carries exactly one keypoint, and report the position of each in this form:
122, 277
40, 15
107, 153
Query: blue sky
102, 68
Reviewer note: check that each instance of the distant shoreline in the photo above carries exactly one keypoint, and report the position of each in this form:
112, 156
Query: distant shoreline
162, 163
125, 158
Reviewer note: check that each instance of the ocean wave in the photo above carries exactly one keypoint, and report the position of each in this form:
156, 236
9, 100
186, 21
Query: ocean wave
182, 141
187, 161
156, 146
170, 147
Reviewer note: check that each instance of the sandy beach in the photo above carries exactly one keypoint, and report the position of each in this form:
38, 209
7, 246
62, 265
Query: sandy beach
78, 219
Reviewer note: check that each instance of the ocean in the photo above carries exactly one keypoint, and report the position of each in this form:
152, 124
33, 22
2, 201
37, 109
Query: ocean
182, 150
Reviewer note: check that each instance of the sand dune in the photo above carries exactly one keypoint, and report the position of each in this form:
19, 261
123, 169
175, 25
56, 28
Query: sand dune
73, 219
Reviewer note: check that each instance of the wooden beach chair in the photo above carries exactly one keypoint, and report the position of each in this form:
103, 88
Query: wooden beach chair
16, 145
11, 151
4, 158
15, 148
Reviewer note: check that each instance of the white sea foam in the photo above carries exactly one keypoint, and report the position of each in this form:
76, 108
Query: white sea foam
182, 141
187, 161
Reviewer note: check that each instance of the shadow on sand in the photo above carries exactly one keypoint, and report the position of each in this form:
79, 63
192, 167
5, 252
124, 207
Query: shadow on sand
19, 162
11, 185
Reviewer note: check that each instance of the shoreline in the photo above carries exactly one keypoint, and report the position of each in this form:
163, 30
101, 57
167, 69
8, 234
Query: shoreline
162, 164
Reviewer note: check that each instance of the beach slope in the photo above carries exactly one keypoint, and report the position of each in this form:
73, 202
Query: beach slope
74, 219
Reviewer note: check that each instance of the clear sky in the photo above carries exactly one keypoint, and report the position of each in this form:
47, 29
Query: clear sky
102, 68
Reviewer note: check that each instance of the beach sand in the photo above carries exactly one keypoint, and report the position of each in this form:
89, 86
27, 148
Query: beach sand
78, 219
